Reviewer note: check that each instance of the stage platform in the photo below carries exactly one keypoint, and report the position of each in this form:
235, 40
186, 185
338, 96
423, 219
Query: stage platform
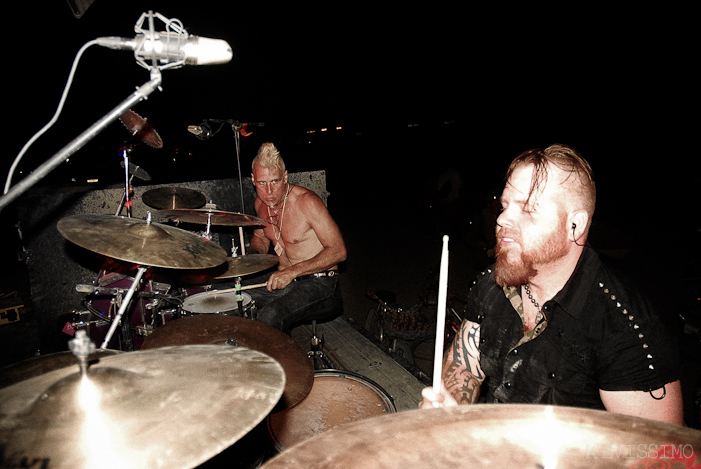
349, 350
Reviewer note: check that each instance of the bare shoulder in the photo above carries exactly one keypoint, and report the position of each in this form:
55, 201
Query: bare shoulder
306, 199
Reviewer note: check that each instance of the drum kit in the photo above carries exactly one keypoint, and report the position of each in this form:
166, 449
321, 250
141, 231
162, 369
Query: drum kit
204, 381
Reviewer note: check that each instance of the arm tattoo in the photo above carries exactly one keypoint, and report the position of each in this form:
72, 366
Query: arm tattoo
462, 373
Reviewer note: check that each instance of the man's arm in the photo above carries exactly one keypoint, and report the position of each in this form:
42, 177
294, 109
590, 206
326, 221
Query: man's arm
259, 242
667, 409
462, 374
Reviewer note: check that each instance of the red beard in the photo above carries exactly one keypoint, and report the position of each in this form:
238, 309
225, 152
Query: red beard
511, 271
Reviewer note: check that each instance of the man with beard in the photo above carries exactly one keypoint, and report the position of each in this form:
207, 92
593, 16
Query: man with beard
306, 239
548, 323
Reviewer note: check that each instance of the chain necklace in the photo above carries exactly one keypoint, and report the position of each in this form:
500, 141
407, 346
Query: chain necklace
539, 315
282, 215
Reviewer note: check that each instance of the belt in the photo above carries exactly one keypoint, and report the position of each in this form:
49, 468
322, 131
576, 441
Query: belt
327, 273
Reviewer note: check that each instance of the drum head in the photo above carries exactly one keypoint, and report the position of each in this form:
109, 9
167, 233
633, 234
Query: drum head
214, 303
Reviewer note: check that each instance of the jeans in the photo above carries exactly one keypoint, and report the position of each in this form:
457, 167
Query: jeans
301, 301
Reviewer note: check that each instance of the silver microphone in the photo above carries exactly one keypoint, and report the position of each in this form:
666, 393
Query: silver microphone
172, 47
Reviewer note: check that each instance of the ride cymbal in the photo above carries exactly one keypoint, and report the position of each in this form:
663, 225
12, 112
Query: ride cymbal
234, 267
141, 242
206, 216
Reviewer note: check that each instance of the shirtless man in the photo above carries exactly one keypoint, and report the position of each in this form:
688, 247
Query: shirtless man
306, 239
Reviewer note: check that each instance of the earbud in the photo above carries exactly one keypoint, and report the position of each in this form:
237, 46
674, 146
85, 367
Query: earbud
574, 225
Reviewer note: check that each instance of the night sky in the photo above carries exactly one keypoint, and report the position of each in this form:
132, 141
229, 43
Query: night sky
415, 89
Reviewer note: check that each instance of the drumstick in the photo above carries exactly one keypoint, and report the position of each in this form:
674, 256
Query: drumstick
245, 287
243, 244
440, 321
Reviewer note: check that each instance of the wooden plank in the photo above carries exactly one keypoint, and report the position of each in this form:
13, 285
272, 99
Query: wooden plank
351, 351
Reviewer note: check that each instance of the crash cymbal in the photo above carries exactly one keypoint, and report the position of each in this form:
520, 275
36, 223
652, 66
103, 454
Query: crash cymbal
496, 435
218, 329
212, 216
173, 407
141, 242
40, 365
139, 127
233, 267
173, 198
137, 171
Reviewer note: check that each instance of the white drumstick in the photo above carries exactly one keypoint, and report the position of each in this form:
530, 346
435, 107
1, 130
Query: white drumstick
245, 287
440, 320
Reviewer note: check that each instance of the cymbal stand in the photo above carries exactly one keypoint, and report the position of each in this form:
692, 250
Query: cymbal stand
125, 304
126, 201
316, 351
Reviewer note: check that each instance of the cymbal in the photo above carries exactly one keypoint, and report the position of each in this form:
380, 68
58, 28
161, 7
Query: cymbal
36, 366
138, 126
137, 171
218, 329
494, 435
140, 242
233, 267
174, 407
173, 197
212, 216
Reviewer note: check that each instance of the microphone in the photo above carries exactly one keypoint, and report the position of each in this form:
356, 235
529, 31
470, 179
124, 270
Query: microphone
203, 132
172, 47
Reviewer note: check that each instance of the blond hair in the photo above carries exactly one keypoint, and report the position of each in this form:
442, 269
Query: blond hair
268, 156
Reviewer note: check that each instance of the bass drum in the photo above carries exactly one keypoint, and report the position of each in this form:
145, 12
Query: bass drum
213, 302
336, 398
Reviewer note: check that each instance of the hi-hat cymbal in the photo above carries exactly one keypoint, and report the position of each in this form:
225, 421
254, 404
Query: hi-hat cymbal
496, 435
232, 268
141, 242
218, 329
173, 198
205, 216
173, 407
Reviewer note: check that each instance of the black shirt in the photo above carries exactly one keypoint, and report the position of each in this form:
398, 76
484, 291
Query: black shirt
598, 332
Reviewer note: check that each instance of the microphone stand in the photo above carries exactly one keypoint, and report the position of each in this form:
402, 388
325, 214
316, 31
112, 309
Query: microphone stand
236, 126
140, 94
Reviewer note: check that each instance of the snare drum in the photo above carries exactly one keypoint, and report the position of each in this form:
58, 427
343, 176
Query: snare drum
217, 303
336, 398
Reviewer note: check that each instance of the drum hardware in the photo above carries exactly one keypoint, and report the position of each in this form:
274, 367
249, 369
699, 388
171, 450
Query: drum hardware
133, 170
316, 351
173, 407
220, 330
140, 242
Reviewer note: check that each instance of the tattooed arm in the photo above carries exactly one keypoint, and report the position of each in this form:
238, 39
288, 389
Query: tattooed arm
462, 375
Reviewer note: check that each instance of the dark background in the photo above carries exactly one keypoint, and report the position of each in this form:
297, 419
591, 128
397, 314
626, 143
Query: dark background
416, 91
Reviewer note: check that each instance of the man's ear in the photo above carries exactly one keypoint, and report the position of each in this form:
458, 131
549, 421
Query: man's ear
578, 224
